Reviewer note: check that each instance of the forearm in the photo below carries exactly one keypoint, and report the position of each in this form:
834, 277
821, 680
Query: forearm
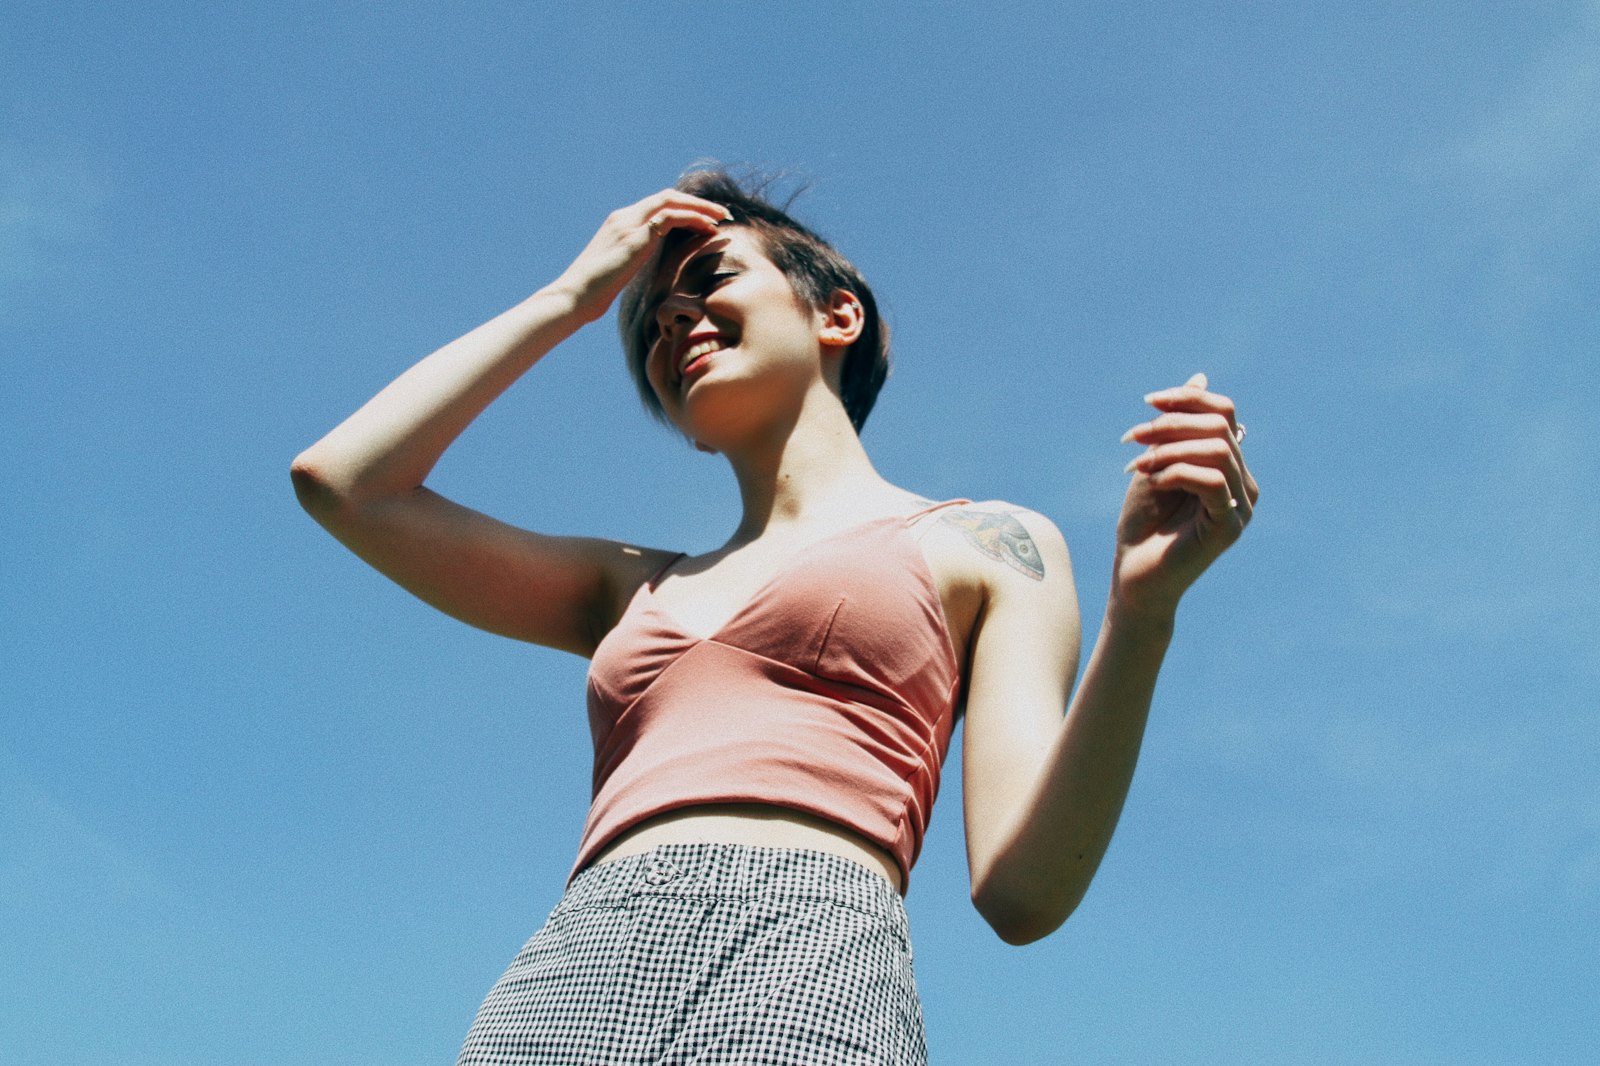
392, 442
1064, 829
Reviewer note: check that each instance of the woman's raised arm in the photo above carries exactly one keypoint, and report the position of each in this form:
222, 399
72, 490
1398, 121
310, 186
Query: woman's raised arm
364, 480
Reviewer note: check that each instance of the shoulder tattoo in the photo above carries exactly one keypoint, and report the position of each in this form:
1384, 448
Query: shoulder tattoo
999, 536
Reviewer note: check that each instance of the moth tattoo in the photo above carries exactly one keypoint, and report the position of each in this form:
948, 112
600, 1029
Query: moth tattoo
999, 536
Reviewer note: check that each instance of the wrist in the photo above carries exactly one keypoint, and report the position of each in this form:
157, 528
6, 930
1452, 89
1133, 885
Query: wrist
584, 301
560, 300
1152, 618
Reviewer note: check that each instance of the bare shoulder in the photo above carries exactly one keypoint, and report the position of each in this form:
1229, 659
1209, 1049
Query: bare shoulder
1003, 535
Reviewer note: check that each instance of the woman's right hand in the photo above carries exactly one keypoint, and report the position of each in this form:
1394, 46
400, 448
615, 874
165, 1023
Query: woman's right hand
626, 241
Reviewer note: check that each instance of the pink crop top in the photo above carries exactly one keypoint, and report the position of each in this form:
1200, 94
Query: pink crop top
832, 691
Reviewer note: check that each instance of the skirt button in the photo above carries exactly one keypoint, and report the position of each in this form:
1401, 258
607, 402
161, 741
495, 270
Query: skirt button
660, 871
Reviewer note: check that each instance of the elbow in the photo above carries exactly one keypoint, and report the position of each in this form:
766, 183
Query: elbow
315, 490
1018, 926
338, 494
1021, 917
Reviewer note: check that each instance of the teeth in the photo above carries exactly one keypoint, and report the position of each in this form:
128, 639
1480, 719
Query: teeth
705, 347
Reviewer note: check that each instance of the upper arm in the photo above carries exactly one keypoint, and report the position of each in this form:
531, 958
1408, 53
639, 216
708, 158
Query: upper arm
562, 592
1022, 659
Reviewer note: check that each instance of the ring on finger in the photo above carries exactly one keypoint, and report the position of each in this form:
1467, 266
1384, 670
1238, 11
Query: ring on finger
1238, 433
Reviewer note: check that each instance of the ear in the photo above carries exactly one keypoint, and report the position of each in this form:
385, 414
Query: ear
843, 319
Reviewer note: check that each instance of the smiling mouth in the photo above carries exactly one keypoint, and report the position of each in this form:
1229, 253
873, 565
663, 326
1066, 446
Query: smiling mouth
696, 354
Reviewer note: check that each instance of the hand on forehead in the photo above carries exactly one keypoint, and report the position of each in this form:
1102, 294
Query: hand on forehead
675, 256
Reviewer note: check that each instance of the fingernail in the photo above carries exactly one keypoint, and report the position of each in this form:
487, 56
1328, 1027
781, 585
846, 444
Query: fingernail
1128, 436
1132, 465
1150, 397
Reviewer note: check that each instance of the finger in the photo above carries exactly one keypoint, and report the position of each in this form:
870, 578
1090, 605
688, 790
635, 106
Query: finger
1206, 484
1182, 426
1194, 397
681, 245
676, 199
1211, 452
675, 255
1252, 491
1179, 425
664, 220
1189, 398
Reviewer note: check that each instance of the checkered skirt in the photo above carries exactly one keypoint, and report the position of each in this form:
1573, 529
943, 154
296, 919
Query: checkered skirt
711, 953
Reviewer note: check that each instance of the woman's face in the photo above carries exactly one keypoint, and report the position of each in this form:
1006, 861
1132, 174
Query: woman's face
726, 337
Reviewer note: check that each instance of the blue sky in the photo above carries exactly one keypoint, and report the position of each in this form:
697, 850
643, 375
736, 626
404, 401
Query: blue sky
257, 806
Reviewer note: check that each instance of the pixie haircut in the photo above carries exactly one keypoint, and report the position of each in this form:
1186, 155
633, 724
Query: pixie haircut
815, 272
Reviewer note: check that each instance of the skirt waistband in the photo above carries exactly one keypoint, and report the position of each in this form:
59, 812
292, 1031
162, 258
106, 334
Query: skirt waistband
733, 871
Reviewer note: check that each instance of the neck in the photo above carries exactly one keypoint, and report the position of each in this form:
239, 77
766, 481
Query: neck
815, 466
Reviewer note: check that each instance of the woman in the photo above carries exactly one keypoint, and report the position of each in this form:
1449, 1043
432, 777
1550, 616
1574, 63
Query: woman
770, 717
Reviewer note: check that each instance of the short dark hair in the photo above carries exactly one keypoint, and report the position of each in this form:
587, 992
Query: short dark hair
815, 272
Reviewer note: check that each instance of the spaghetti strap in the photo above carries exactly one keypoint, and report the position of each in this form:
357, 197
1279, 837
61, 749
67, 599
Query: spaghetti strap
908, 521
668, 565
917, 516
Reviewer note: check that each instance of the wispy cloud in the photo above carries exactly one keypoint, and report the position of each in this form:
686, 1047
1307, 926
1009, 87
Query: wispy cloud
1545, 135
1503, 550
51, 207
46, 847
1553, 846
1531, 169
1499, 806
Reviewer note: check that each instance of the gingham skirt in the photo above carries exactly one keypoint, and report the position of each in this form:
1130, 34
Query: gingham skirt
711, 953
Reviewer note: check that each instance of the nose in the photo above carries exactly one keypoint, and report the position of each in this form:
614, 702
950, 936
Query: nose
676, 312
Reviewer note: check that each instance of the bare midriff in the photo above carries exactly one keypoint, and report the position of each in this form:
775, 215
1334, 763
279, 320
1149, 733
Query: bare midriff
754, 825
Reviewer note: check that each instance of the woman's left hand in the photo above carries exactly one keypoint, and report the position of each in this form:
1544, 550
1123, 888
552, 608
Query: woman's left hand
1191, 496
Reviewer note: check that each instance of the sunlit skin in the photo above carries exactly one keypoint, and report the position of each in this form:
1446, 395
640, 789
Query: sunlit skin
773, 357
1042, 792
